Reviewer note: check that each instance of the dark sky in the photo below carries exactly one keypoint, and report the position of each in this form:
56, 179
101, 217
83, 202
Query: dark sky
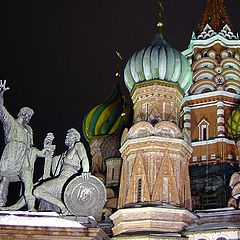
59, 56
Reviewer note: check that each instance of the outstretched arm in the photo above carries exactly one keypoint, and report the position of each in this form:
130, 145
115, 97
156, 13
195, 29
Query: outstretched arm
4, 115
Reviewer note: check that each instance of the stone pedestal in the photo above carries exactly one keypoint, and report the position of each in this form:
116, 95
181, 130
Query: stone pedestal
39, 226
151, 219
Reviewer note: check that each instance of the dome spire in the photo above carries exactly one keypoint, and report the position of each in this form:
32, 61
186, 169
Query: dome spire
119, 60
159, 36
160, 17
215, 15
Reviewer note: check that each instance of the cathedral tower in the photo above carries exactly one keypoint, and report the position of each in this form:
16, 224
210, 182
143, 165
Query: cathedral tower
214, 54
155, 150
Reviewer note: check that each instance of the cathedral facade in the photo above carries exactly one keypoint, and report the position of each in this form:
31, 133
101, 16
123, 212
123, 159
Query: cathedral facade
170, 162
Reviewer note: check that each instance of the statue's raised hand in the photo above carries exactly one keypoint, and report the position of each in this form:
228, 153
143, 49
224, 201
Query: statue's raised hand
48, 140
48, 146
3, 87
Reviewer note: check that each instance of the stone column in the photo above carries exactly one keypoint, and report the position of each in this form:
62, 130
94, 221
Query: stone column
220, 119
187, 118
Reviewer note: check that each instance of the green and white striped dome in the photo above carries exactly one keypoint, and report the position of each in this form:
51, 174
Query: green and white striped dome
159, 61
107, 117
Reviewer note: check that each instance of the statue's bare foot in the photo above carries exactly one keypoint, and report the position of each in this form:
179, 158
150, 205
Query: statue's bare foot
32, 210
2, 203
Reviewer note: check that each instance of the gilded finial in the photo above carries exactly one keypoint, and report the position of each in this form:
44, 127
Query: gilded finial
118, 67
160, 15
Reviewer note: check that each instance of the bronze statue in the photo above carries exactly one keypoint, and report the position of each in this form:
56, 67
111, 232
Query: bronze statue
63, 167
19, 155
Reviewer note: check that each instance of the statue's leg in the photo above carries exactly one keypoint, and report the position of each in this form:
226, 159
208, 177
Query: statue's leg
3, 191
45, 192
27, 178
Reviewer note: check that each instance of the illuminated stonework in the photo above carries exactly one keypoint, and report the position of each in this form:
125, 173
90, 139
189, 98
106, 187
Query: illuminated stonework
155, 172
179, 136
157, 101
214, 54
155, 151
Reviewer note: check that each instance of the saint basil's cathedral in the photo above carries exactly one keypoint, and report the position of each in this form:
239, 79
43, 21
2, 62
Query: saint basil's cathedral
170, 162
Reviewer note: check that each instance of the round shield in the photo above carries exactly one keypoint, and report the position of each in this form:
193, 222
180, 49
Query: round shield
85, 196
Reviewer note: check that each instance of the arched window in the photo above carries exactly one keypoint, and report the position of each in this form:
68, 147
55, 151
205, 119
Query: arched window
139, 190
221, 238
212, 54
205, 54
205, 90
231, 90
230, 53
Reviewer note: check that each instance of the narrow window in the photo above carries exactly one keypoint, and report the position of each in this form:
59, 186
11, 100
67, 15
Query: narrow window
204, 132
139, 190
146, 110
113, 174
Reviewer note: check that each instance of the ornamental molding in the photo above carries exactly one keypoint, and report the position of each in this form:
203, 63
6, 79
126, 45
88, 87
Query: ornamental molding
208, 32
157, 91
213, 141
157, 139
215, 94
207, 43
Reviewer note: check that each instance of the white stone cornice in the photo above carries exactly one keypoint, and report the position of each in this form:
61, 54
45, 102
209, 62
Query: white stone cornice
210, 104
155, 139
211, 94
206, 43
213, 141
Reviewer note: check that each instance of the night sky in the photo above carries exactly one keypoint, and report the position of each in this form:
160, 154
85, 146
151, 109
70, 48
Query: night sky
59, 56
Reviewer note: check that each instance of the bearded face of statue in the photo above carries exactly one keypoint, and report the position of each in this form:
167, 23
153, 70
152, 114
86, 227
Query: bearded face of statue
26, 118
70, 138
25, 114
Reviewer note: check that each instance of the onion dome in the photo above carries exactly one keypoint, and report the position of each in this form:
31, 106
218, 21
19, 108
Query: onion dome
158, 61
233, 124
108, 117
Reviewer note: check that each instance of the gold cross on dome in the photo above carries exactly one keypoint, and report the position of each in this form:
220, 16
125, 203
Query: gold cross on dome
160, 14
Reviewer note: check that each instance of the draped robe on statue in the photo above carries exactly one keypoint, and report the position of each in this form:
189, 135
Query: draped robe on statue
16, 154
